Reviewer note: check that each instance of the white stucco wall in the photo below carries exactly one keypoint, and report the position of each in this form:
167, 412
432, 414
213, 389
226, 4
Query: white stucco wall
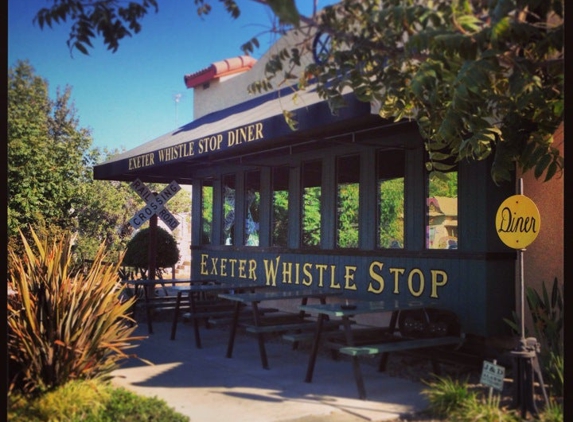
232, 90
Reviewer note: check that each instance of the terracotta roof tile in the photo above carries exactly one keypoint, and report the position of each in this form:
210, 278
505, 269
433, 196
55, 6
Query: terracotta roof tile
219, 69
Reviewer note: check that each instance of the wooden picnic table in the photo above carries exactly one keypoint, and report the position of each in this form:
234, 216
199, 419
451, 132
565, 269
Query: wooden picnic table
165, 302
140, 284
202, 305
262, 324
377, 346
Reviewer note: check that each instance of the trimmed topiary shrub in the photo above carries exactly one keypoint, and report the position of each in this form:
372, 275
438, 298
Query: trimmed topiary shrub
137, 253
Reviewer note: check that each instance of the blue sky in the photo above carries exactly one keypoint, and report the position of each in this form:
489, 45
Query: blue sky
129, 97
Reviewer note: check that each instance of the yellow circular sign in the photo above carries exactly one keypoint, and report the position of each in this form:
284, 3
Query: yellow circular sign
517, 221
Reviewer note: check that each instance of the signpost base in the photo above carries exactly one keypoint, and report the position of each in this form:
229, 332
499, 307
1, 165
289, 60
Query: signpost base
525, 368
152, 254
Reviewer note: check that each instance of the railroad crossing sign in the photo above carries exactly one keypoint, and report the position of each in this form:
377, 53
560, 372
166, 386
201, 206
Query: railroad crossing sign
155, 204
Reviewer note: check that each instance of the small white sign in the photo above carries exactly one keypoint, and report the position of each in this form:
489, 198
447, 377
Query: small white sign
492, 375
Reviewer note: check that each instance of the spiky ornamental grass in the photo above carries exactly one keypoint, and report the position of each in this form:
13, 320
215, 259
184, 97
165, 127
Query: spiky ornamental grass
63, 323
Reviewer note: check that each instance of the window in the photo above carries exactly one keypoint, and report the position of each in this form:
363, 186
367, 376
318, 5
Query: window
228, 209
442, 212
279, 223
347, 201
390, 167
206, 213
311, 192
252, 201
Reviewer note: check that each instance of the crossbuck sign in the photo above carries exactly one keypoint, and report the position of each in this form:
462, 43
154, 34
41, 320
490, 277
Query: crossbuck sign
155, 204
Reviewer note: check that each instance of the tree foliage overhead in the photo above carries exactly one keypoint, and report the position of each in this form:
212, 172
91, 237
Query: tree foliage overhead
50, 171
45, 153
103, 217
111, 19
480, 77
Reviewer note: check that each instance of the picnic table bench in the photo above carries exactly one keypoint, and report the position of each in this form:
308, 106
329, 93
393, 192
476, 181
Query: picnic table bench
294, 326
335, 338
262, 325
204, 304
420, 327
398, 343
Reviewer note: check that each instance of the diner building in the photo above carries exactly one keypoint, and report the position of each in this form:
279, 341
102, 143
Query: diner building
341, 201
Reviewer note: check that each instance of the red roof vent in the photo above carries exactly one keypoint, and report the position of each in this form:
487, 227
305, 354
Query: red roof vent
220, 69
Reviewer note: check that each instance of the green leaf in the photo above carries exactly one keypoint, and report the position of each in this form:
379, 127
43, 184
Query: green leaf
551, 170
290, 119
439, 156
554, 294
232, 8
436, 165
469, 22
500, 29
286, 11
541, 165
436, 175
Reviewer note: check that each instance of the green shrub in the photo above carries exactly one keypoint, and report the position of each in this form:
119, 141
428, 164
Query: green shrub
553, 412
547, 315
90, 401
75, 400
63, 323
447, 395
483, 410
554, 368
453, 400
126, 406
137, 252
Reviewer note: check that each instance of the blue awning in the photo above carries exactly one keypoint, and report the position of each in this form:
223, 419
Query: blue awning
253, 125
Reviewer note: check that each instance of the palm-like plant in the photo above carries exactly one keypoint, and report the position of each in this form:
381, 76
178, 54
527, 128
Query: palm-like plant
63, 323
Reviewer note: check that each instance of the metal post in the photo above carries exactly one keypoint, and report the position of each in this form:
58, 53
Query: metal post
525, 361
521, 277
152, 250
